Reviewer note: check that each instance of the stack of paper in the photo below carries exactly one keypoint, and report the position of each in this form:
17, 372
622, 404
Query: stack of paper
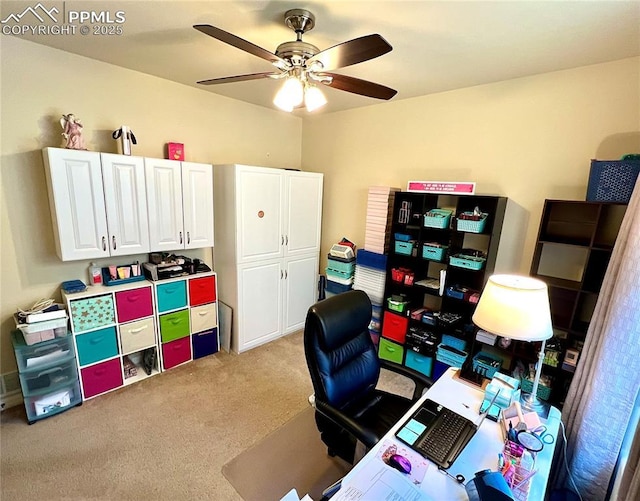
379, 215
371, 281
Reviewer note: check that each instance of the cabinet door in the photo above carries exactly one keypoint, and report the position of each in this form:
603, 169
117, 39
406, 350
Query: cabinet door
76, 199
259, 304
259, 213
303, 212
126, 204
197, 204
301, 290
164, 203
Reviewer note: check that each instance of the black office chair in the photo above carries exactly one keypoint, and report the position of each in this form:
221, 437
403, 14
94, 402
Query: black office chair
344, 367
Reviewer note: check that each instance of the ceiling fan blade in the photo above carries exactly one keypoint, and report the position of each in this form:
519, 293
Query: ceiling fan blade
357, 86
238, 78
240, 43
351, 52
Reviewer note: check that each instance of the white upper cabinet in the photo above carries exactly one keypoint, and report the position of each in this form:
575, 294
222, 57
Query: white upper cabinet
98, 205
164, 202
180, 204
126, 203
279, 212
197, 204
259, 213
304, 212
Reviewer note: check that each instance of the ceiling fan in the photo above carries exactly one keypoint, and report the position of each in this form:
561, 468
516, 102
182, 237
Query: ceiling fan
302, 65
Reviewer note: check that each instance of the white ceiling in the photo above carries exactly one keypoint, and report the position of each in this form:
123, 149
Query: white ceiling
437, 45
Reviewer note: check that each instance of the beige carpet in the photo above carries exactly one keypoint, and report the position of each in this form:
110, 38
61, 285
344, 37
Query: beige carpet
291, 456
165, 438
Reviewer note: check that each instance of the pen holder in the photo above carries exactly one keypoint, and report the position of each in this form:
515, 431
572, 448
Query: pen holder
518, 469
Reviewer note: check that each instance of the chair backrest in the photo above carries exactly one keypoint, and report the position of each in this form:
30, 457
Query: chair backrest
341, 357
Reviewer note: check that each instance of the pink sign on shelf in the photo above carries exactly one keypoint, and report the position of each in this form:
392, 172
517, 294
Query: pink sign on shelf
447, 187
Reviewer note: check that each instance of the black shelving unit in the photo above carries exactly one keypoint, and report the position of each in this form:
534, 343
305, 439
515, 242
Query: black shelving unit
573, 249
409, 223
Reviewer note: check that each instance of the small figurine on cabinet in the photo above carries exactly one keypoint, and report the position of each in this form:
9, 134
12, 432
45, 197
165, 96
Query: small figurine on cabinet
72, 132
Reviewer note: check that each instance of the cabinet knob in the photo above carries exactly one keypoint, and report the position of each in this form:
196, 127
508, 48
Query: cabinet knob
113, 242
104, 244
188, 237
180, 237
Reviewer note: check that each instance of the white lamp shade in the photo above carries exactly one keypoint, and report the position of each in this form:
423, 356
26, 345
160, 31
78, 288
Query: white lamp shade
290, 94
313, 98
515, 307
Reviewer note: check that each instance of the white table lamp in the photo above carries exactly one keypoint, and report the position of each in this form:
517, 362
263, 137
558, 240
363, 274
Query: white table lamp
517, 307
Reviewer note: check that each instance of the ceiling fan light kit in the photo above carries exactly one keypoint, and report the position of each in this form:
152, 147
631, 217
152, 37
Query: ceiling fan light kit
303, 66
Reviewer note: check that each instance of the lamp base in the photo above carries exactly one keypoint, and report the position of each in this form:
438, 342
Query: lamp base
531, 403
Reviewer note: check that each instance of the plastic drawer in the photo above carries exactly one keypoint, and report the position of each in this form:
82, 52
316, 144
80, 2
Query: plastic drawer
172, 295
101, 378
203, 317
41, 354
419, 362
92, 313
97, 345
391, 351
134, 304
394, 326
174, 325
54, 402
137, 335
176, 352
205, 343
47, 379
202, 290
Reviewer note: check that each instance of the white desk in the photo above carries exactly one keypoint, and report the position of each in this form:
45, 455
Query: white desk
482, 451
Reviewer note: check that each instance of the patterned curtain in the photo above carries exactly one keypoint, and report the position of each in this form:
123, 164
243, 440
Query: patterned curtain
605, 387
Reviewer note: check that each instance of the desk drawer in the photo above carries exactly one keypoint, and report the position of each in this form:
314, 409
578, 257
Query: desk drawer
176, 352
138, 335
97, 345
134, 304
203, 317
174, 325
102, 377
172, 295
202, 290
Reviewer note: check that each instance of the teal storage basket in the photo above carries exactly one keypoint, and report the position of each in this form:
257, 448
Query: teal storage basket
471, 226
437, 218
434, 253
486, 364
467, 262
404, 248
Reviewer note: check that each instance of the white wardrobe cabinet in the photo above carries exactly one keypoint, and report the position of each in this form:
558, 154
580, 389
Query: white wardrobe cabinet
180, 204
268, 225
98, 203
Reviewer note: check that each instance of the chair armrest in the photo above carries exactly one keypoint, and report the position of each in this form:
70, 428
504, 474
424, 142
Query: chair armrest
364, 435
421, 381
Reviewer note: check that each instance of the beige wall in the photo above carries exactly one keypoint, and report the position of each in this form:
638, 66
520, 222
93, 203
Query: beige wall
39, 84
528, 139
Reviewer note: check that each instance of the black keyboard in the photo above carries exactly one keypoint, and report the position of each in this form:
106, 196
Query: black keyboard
443, 436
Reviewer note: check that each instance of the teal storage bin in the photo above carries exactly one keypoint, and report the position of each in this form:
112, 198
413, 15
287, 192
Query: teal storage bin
97, 345
404, 248
418, 362
172, 295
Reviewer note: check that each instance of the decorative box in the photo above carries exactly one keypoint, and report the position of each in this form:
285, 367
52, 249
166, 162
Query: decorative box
175, 151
